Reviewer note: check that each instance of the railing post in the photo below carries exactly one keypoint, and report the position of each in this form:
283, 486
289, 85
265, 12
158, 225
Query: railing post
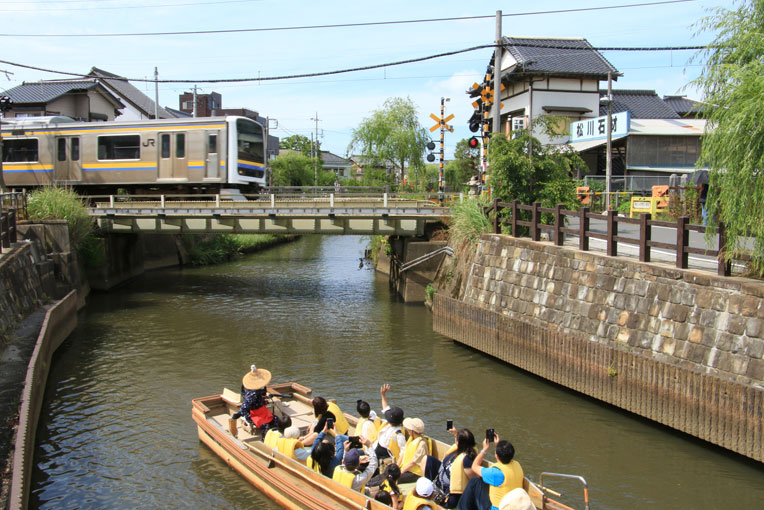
217, 201
682, 241
111, 201
496, 216
535, 230
612, 231
514, 218
12, 225
645, 235
583, 229
4, 229
384, 199
273, 201
558, 225
161, 201
724, 267
331, 200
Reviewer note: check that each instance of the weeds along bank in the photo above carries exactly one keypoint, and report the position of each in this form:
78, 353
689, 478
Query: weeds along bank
684, 348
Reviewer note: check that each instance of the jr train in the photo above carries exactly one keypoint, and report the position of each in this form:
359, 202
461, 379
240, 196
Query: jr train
185, 155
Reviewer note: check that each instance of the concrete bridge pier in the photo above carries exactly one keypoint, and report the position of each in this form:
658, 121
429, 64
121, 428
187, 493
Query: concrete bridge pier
411, 283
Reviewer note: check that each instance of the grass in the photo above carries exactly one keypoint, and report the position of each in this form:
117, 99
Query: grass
468, 221
223, 248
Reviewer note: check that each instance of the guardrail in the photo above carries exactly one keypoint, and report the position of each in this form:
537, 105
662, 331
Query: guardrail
612, 220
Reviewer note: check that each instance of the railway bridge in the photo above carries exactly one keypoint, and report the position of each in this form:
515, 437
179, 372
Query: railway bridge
266, 214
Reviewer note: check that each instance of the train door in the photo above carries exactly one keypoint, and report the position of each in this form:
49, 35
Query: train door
213, 155
68, 164
172, 156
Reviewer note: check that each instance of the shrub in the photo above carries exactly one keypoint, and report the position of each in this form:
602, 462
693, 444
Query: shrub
468, 221
59, 203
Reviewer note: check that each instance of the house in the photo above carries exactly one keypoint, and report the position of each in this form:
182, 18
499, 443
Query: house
84, 100
550, 76
137, 105
340, 166
684, 107
359, 164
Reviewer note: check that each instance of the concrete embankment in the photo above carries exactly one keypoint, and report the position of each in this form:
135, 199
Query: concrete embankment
680, 347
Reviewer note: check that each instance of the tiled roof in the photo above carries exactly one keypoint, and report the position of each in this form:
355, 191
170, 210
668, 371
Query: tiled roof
557, 56
682, 106
125, 90
46, 91
643, 104
334, 160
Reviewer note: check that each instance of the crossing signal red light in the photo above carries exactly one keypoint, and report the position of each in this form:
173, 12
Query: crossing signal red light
473, 143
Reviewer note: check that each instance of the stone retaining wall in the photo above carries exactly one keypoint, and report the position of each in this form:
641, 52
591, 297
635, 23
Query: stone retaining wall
681, 347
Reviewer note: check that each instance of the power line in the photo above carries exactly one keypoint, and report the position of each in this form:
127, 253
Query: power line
362, 68
349, 25
120, 7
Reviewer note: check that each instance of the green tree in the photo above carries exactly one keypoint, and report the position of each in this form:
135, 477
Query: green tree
523, 169
298, 143
392, 133
292, 169
465, 164
732, 83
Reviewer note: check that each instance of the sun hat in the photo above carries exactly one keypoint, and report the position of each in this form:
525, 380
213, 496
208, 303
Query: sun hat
516, 499
256, 378
394, 415
352, 458
292, 432
424, 487
414, 424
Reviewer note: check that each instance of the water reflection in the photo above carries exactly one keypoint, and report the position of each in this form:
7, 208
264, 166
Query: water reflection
116, 431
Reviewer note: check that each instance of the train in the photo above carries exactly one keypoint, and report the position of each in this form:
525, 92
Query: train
193, 155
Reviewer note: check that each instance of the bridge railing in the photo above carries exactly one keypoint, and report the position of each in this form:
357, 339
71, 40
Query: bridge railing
509, 214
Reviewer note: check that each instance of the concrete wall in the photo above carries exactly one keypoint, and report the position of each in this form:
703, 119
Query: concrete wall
680, 347
411, 284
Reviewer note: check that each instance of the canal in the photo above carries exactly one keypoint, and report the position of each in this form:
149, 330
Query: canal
116, 428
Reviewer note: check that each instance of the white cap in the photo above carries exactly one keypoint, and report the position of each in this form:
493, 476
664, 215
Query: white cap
292, 432
516, 499
424, 487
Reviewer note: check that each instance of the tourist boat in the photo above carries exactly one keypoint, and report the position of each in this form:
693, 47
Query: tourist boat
288, 482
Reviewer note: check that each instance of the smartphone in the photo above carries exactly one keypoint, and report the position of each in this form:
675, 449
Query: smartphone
449, 424
489, 435
330, 423
355, 442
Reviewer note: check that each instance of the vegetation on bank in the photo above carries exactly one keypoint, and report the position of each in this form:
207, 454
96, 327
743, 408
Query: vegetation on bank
61, 203
205, 250
375, 244
468, 222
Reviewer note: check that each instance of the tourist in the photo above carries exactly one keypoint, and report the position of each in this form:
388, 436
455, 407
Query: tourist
387, 482
456, 469
420, 496
326, 455
491, 484
326, 412
368, 422
273, 435
348, 473
414, 455
390, 440
253, 407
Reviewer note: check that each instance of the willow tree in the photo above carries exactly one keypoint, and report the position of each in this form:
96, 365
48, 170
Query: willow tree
732, 83
392, 134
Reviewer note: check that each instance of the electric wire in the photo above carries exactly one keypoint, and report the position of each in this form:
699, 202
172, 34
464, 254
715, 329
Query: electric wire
349, 25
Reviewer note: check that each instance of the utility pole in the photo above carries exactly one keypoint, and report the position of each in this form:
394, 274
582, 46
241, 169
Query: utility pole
194, 114
609, 155
318, 152
497, 77
156, 93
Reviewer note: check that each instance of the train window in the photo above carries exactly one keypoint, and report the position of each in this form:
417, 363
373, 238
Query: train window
212, 144
75, 152
20, 150
250, 141
165, 146
180, 145
61, 146
119, 147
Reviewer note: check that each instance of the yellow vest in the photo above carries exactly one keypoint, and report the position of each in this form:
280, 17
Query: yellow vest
513, 478
408, 455
458, 476
372, 430
413, 502
345, 477
341, 424
271, 437
287, 445
315, 466
393, 446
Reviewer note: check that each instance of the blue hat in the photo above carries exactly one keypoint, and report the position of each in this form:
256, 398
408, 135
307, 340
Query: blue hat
352, 458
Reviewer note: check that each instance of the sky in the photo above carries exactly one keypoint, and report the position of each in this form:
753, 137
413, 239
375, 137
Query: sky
48, 34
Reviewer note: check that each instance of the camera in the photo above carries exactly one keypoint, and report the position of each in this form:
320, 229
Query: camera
490, 435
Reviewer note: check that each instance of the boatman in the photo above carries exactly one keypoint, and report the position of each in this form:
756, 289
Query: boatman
253, 408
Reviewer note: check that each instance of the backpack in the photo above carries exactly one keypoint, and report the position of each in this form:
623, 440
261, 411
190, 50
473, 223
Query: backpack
443, 480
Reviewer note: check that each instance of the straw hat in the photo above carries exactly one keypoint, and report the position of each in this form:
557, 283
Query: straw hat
414, 424
516, 499
256, 378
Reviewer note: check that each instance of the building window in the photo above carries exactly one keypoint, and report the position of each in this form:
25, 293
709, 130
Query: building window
119, 147
23, 150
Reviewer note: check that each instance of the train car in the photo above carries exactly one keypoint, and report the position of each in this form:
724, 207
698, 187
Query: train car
185, 155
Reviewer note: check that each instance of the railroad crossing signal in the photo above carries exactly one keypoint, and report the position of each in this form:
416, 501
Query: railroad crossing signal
441, 123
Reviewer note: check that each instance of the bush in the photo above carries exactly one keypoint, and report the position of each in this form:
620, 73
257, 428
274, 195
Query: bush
225, 247
468, 221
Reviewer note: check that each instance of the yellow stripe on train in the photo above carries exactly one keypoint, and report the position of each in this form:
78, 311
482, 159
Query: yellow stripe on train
122, 164
126, 129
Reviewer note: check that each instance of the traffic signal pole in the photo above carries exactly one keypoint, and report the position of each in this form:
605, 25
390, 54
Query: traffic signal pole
497, 77
441, 187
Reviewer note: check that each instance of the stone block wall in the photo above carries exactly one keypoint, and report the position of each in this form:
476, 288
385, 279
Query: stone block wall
690, 319
21, 286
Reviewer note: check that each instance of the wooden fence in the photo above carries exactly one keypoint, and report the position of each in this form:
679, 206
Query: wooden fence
645, 242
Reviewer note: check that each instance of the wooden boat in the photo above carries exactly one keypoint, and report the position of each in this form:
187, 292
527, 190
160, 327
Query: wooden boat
288, 482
